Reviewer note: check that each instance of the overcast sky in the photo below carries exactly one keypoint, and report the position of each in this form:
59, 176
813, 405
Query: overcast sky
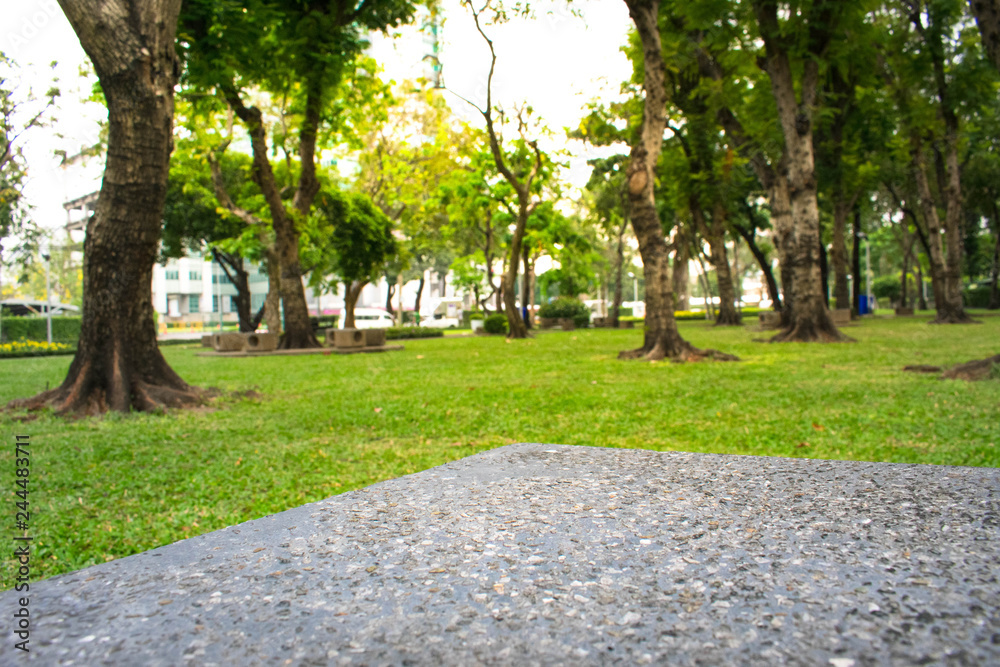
557, 62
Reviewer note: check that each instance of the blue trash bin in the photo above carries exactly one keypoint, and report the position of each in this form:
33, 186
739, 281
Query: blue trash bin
863, 307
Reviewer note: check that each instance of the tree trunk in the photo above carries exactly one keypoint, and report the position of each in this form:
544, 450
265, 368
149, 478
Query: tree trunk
416, 305
987, 13
824, 271
808, 319
764, 263
118, 365
352, 292
298, 331
681, 268
946, 276
838, 253
526, 285
616, 302
715, 234
232, 266
856, 265
781, 221
272, 302
995, 275
390, 290
661, 338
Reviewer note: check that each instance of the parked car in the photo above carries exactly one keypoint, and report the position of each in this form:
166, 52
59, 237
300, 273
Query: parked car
372, 318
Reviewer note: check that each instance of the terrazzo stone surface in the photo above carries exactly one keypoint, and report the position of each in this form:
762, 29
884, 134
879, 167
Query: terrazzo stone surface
546, 555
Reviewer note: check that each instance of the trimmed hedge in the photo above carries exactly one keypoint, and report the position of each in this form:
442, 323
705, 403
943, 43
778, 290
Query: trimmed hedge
495, 324
31, 348
64, 329
396, 333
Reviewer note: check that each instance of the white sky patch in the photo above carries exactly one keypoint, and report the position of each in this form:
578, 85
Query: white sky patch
557, 62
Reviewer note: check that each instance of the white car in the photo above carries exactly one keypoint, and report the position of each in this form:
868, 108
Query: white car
372, 318
440, 322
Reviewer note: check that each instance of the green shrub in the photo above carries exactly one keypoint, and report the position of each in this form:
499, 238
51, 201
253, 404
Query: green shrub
624, 312
564, 306
495, 324
477, 315
567, 307
887, 287
395, 333
64, 329
977, 295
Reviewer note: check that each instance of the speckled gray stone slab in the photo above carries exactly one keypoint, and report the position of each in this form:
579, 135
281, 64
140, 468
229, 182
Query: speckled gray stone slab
546, 555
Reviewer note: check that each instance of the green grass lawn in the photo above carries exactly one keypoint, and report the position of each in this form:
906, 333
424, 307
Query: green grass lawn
107, 488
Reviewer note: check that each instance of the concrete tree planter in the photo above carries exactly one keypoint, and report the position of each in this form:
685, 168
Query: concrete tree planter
548, 322
348, 338
227, 342
477, 326
261, 342
374, 337
904, 312
206, 340
840, 317
567, 323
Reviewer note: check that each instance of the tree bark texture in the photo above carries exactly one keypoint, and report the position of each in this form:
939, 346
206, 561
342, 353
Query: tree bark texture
352, 292
661, 338
682, 270
987, 13
749, 235
118, 365
946, 278
838, 253
526, 283
716, 236
808, 318
232, 266
616, 300
947, 301
994, 303
420, 293
272, 302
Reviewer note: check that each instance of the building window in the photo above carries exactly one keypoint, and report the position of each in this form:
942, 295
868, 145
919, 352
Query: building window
194, 303
194, 275
215, 303
173, 275
232, 304
256, 301
223, 278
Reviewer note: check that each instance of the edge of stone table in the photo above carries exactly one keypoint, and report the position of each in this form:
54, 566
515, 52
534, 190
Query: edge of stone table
553, 554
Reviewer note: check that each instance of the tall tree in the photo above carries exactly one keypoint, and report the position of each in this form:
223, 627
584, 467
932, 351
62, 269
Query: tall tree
923, 54
233, 47
521, 170
795, 49
118, 365
661, 337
